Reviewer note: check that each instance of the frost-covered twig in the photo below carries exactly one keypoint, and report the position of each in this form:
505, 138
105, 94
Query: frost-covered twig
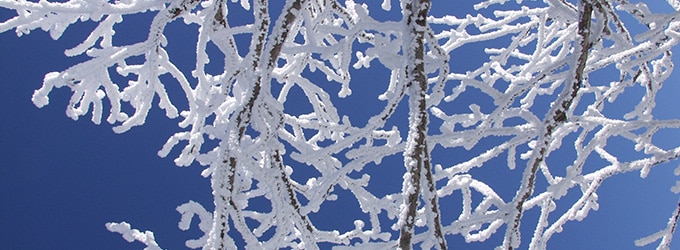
556, 117
129, 234
665, 235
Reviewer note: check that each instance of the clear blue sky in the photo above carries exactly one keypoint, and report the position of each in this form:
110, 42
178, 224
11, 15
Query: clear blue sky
61, 180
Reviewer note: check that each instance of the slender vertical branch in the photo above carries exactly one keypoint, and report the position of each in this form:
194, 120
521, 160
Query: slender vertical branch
225, 180
433, 204
416, 155
557, 117
263, 67
307, 229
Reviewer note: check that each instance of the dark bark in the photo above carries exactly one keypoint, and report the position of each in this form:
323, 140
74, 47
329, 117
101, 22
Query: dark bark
417, 158
243, 116
554, 120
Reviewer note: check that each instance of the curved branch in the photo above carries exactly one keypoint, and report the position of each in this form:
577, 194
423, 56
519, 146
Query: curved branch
558, 117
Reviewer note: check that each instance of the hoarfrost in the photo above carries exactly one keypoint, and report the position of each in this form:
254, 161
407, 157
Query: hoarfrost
532, 94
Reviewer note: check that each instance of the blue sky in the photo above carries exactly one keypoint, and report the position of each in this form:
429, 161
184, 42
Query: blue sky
61, 180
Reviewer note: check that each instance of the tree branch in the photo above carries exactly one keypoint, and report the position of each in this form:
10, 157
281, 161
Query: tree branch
557, 118
416, 155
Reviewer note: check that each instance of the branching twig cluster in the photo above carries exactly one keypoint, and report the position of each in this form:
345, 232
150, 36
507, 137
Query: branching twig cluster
536, 55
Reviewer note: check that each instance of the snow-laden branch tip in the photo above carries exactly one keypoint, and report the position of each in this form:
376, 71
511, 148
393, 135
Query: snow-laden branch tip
147, 238
666, 235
